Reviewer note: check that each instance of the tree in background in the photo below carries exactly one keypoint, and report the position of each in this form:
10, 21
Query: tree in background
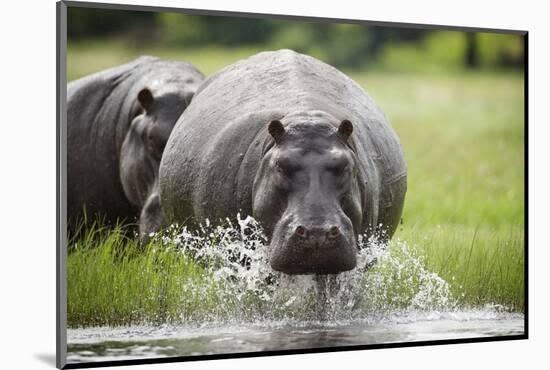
472, 55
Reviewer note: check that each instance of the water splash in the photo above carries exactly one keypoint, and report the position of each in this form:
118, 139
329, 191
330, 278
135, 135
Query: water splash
234, 256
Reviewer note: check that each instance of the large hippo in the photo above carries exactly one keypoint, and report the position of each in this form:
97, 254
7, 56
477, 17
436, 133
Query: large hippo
118, 122
297, 144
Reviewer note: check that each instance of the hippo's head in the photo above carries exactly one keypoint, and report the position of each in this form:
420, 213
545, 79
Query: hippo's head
155, 115
306, 194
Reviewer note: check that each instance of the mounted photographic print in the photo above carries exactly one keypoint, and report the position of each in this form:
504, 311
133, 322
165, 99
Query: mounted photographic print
235, 184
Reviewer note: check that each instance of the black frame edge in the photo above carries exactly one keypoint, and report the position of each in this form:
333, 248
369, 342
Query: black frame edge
526, 180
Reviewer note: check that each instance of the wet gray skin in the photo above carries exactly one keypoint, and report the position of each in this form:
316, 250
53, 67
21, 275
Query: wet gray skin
298, 145
118, 123
307, 195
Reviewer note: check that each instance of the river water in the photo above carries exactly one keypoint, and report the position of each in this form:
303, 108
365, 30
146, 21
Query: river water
139, 342
399, 300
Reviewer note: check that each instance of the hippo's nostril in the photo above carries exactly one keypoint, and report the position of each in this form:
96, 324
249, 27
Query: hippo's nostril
301, 231
333, 232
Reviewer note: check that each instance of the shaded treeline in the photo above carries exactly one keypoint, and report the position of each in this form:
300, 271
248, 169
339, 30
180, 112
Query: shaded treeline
344, 45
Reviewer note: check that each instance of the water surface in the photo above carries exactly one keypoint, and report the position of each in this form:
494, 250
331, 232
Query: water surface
139, 342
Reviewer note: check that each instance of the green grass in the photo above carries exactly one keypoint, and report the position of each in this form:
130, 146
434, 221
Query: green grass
93, 56
114, 281
482, 265
462, 135
463, 139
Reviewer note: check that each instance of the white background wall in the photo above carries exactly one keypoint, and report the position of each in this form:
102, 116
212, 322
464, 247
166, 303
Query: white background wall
27, 208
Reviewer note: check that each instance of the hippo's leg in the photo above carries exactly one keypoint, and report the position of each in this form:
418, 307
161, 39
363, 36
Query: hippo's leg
151, 219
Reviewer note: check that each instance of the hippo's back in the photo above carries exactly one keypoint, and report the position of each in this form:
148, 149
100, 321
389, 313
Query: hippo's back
216, 145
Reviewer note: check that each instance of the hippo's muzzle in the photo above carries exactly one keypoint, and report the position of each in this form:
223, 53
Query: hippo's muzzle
307, 249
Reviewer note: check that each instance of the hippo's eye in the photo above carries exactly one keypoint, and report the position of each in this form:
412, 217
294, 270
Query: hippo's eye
338, 169
284, 167
155, 143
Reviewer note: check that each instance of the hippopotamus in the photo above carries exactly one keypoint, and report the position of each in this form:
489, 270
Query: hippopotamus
298, 145
118, 123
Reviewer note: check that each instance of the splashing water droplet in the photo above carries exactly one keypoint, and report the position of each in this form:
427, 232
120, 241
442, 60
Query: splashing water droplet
234, 256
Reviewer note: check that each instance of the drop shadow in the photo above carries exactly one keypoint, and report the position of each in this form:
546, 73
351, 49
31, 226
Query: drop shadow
47, 358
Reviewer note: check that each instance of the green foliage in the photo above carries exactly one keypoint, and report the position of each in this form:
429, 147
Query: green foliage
445, 51
184, 29
295, 36
345, 45
85, 23
342, 45
192, 30
500, 50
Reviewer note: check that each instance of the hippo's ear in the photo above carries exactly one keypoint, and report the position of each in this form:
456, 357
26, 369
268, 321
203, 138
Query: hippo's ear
345, 129
145, 98
276, 129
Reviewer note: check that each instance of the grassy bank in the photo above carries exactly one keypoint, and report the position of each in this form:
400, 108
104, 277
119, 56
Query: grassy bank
462, 135
114, 281
482, 265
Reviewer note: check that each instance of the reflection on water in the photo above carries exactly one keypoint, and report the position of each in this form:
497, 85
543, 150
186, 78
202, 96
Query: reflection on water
106, 344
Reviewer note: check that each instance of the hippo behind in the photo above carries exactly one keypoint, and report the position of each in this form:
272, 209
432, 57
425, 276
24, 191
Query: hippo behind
298, 145
118, 122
